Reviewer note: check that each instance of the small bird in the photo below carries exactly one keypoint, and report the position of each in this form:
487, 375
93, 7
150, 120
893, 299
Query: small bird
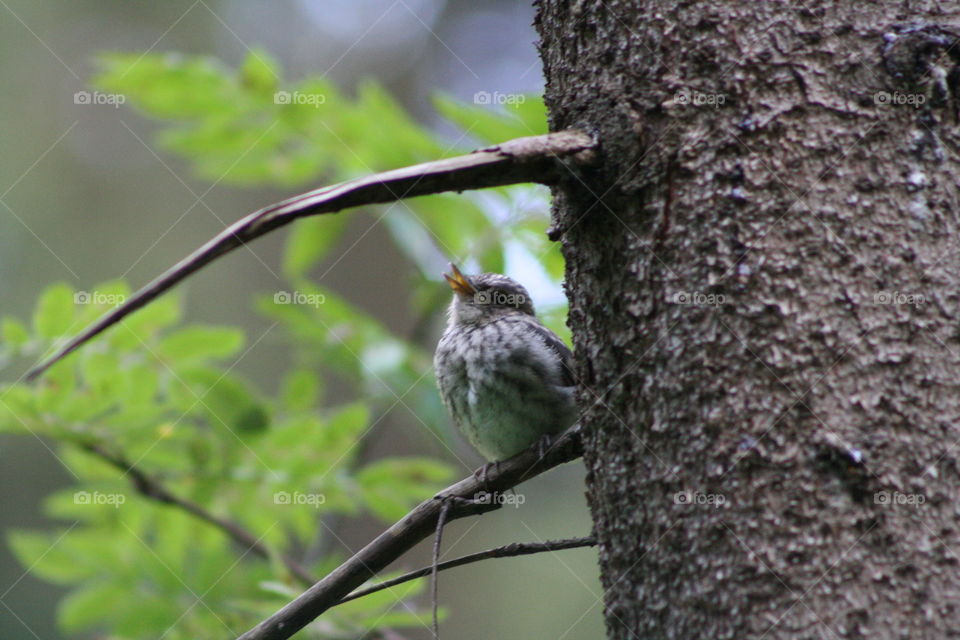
506, 380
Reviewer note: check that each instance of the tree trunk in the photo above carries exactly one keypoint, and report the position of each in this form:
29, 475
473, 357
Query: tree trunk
764, 279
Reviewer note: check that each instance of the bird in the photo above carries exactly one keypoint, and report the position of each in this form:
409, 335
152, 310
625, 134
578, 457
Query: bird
506, 380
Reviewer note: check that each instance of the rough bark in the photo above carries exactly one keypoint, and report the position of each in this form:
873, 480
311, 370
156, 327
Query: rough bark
815, 393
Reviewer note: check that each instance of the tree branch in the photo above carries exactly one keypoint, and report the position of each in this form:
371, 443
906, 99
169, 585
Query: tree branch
506, 551
153, 489
533, 159
414, 527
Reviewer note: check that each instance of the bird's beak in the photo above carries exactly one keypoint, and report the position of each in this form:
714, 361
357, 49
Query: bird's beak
459, 282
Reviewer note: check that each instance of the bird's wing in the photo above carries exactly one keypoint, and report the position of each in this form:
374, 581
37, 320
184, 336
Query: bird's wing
557, 346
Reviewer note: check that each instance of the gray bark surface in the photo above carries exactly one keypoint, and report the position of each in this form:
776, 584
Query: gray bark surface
764, 278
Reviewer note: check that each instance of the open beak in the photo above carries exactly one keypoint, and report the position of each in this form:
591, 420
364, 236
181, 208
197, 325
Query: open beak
459, 282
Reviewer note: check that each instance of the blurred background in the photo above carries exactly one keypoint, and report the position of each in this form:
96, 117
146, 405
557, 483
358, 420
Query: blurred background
87, 196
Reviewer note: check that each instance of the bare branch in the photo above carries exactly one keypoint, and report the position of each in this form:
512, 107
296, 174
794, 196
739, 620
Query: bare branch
414, 527
434, 570
533, 159
506, 551
153, 489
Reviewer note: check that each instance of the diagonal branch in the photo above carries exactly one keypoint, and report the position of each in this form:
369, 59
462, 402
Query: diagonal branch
506, 551
153, 489
413, 528
533, 159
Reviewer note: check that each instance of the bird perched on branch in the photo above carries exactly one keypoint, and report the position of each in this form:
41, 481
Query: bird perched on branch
506, 380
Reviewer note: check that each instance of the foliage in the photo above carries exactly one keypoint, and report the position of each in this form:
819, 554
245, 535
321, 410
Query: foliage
164, 395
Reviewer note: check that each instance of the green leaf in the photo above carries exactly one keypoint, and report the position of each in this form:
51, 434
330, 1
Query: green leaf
259, 71
392, 486
309, 242
168, 85
91, 604
244, 126
54, 313
101, 370
47, 556
467, 234
13, 333
300, 390
225, 398
251, 419
142, 384
383, 135
144, 323
151, 615
532, 112
524, 115
347, 424
57, 387
17, 407
201, 343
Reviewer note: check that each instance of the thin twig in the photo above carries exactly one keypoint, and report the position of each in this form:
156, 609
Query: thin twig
153, 489
533, 159
506, 551
413, 528
434, 595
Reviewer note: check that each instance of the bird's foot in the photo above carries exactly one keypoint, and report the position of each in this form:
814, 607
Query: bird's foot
544, 444
455, 501
482, 472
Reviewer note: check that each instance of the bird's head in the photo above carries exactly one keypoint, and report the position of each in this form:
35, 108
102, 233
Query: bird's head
485, 296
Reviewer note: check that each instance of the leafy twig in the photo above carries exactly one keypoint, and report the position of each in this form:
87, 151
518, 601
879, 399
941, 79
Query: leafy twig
153, 489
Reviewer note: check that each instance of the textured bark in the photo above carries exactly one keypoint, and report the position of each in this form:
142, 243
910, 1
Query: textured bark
814, 394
